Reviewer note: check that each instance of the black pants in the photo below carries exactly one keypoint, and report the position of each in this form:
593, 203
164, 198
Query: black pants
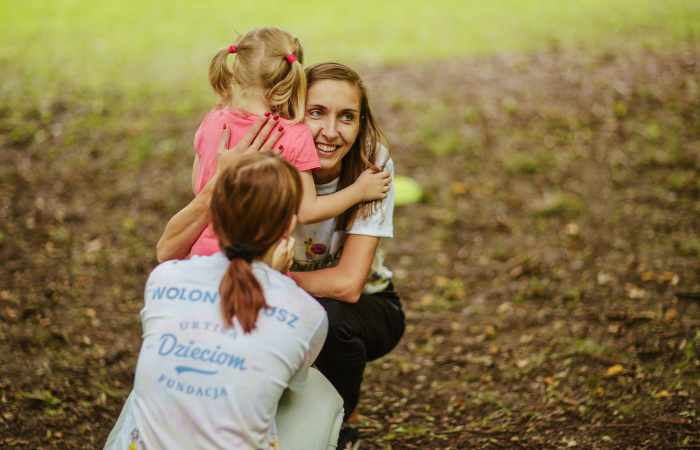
358, 333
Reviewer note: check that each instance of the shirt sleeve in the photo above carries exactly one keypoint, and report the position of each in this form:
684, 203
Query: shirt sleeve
303, 155
380, 222
155, 278
198, 134
298, 381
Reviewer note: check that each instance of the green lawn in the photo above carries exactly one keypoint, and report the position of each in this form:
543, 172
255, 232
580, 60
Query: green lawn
168, 42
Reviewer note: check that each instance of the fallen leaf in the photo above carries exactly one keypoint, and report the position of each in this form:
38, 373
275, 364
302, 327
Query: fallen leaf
572, 229
427, 299
548, 380
670, 315
441, 281
614, 370
11, 313
649, 276
667, 276
662, 394
636, 293
604, 278
459, 188
522, 363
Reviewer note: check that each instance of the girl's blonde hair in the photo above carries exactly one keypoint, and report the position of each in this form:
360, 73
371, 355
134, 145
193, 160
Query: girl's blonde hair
253, 203
262, 64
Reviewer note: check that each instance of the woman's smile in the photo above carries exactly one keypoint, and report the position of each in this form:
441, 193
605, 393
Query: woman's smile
326, 148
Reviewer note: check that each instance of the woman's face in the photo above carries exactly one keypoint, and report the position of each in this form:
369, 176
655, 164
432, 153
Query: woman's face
333, 114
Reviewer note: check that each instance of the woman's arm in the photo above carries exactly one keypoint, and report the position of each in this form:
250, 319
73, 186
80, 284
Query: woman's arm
184, 228
346, 281
371, 185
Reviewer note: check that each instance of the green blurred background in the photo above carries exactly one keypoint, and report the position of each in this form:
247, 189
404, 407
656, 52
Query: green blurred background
164, 46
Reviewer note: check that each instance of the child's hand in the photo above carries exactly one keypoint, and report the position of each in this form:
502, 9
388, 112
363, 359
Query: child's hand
261, 137
373, 184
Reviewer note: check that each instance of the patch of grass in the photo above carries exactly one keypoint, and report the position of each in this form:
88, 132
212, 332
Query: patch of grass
164, 46
556, 203
516, 163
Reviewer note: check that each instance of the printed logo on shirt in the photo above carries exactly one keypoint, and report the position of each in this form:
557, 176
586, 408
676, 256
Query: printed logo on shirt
170, 345
179, 293
313, 250
198, 351
307, 266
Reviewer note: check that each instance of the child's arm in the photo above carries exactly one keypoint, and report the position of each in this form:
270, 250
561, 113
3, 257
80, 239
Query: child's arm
370, 185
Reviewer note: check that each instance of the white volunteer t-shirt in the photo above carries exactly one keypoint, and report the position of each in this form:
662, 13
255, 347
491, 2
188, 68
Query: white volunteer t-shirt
200, 384
319, 246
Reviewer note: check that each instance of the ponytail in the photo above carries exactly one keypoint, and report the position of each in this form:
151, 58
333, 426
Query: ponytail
287, 97
254, 200
221, 77
241, 295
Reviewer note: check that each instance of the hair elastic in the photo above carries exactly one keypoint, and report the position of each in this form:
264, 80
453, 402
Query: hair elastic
232, 49
239, 250
291, 58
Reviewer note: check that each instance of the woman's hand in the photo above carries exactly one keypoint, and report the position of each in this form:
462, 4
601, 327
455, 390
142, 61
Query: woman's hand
261, 137
373, 184
283, 254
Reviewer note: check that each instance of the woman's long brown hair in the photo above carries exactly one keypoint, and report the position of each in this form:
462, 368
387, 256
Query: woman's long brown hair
365, 150
253, 203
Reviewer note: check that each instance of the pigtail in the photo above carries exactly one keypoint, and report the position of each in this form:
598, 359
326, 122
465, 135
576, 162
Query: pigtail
288, 97
221, 77
241, 295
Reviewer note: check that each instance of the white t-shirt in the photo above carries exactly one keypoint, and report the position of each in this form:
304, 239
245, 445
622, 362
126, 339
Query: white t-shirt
202, 385
319, 246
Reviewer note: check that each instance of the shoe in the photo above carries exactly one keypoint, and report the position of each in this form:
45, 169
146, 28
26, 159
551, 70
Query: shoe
349, 437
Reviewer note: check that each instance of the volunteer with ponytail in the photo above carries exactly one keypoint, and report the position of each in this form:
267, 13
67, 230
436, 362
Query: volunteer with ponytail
225, 335
264, 90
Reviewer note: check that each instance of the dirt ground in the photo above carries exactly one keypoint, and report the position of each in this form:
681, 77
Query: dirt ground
550, 276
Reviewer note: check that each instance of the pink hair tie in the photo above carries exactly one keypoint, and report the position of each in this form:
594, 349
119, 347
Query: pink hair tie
232, 49
291, 58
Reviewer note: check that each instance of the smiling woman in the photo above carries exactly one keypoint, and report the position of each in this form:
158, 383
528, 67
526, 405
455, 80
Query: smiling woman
337, 261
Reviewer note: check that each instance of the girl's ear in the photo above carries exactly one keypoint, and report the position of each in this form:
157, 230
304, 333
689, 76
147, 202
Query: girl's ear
292, 225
